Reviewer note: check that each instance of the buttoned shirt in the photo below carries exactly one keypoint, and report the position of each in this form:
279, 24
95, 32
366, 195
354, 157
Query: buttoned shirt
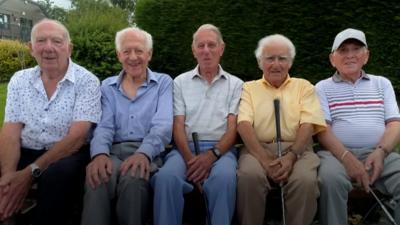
298, 104
46, 121
206, 106
146, 118
358, 112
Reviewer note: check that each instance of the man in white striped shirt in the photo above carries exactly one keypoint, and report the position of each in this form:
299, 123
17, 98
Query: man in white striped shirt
364, 129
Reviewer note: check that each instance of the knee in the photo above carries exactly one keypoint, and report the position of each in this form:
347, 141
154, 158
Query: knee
307, 182
164, 180
249, 179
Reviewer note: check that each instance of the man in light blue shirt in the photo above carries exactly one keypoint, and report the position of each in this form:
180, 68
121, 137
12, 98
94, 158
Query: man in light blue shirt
136, 125
206, 101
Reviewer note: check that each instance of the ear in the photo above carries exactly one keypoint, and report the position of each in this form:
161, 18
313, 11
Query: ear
150, 54
332, 59
366, 56
70, 48
30, 47
222, 49
119, 56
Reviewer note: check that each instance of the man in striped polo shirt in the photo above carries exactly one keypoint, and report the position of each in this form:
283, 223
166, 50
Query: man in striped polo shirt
364, 128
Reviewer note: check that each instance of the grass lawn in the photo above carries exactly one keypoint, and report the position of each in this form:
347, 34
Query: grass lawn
3, 95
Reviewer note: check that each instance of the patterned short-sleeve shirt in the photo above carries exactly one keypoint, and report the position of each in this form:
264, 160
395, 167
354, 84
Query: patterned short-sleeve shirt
46, 121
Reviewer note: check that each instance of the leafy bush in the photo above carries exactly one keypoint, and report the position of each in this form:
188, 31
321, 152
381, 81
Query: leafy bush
14, 56
92, 25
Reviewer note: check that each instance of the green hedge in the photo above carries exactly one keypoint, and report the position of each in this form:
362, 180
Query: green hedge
92, 25
311, 25
14, 56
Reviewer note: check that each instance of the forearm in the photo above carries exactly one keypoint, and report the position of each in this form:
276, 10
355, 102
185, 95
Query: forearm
180, 138
303, 138
390, 137
229, 138
10, 147
70, 144
251, 142
331, 143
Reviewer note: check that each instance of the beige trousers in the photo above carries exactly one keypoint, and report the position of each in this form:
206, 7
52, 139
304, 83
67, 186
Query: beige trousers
300, 192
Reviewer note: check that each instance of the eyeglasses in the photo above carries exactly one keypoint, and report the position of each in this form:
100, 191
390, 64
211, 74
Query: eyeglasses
271, 59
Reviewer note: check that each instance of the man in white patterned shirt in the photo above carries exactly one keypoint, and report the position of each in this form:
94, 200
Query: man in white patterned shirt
49, 111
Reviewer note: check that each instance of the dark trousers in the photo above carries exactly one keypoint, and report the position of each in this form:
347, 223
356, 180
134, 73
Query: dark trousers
60, 187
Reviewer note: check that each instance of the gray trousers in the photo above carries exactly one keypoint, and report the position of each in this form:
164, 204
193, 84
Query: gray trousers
335, 185
124, 198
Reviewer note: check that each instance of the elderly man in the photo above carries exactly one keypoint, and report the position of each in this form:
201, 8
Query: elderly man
205, 101
363, 130
301, 117
135, 127
49, 112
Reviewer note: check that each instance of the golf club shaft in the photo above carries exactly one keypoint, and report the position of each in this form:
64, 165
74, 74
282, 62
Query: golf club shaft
279, 145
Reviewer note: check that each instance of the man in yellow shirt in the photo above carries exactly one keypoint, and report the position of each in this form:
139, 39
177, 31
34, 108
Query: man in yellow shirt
300, 118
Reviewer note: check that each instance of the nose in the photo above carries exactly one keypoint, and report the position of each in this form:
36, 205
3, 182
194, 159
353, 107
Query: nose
132, 55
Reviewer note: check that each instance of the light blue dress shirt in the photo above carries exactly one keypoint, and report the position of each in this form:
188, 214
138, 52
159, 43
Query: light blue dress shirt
147, 118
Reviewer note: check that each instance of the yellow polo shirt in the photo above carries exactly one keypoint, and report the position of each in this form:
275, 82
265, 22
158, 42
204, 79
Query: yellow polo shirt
298, 104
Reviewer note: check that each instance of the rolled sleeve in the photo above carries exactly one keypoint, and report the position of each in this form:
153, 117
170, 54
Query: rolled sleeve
310, 111
13, 104
234, 104
246, 112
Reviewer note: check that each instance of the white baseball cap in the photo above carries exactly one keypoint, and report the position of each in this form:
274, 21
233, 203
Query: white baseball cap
349, 33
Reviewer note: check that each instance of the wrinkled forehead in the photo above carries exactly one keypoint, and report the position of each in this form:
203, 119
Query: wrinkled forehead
49, 29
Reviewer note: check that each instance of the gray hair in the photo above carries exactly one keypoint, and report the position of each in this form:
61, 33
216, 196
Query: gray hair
268, 40
212, 28
147, 37
58, 23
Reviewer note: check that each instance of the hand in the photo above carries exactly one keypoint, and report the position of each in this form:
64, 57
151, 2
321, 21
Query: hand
374, 161
281, 168
200, 166
14, 188
356, 171
137, 161
99, 171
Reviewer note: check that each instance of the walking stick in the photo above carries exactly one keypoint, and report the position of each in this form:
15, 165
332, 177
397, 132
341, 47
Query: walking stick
197, 151
382, 206
279, 144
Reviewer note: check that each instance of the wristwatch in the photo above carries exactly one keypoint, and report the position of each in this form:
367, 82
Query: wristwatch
216, 152
35, 170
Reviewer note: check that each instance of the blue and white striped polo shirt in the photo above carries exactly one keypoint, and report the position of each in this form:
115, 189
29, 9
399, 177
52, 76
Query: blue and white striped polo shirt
358, 112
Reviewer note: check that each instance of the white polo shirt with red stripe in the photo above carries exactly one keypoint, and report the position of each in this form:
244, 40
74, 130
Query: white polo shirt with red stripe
358, 112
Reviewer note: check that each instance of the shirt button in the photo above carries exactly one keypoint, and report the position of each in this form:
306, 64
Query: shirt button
132, 117
131, 132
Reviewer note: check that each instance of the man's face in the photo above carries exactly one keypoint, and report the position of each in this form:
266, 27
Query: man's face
275, 63
50, 48
349, 58
134, 55
206, 49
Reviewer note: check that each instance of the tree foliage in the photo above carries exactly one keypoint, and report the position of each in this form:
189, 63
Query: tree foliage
52, 11
92, 25
311, 25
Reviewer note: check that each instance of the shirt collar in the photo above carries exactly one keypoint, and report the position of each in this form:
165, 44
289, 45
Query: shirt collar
69, 75
221, 73
287, 80
336, 77
150, 77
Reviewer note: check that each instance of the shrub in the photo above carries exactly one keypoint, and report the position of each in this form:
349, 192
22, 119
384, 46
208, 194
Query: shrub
14, 56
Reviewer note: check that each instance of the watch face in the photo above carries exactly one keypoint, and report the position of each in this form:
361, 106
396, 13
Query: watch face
36, 173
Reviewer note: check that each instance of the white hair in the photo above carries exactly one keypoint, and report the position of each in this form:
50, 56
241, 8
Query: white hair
212, 28
268, 40
147, 37
45, 20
